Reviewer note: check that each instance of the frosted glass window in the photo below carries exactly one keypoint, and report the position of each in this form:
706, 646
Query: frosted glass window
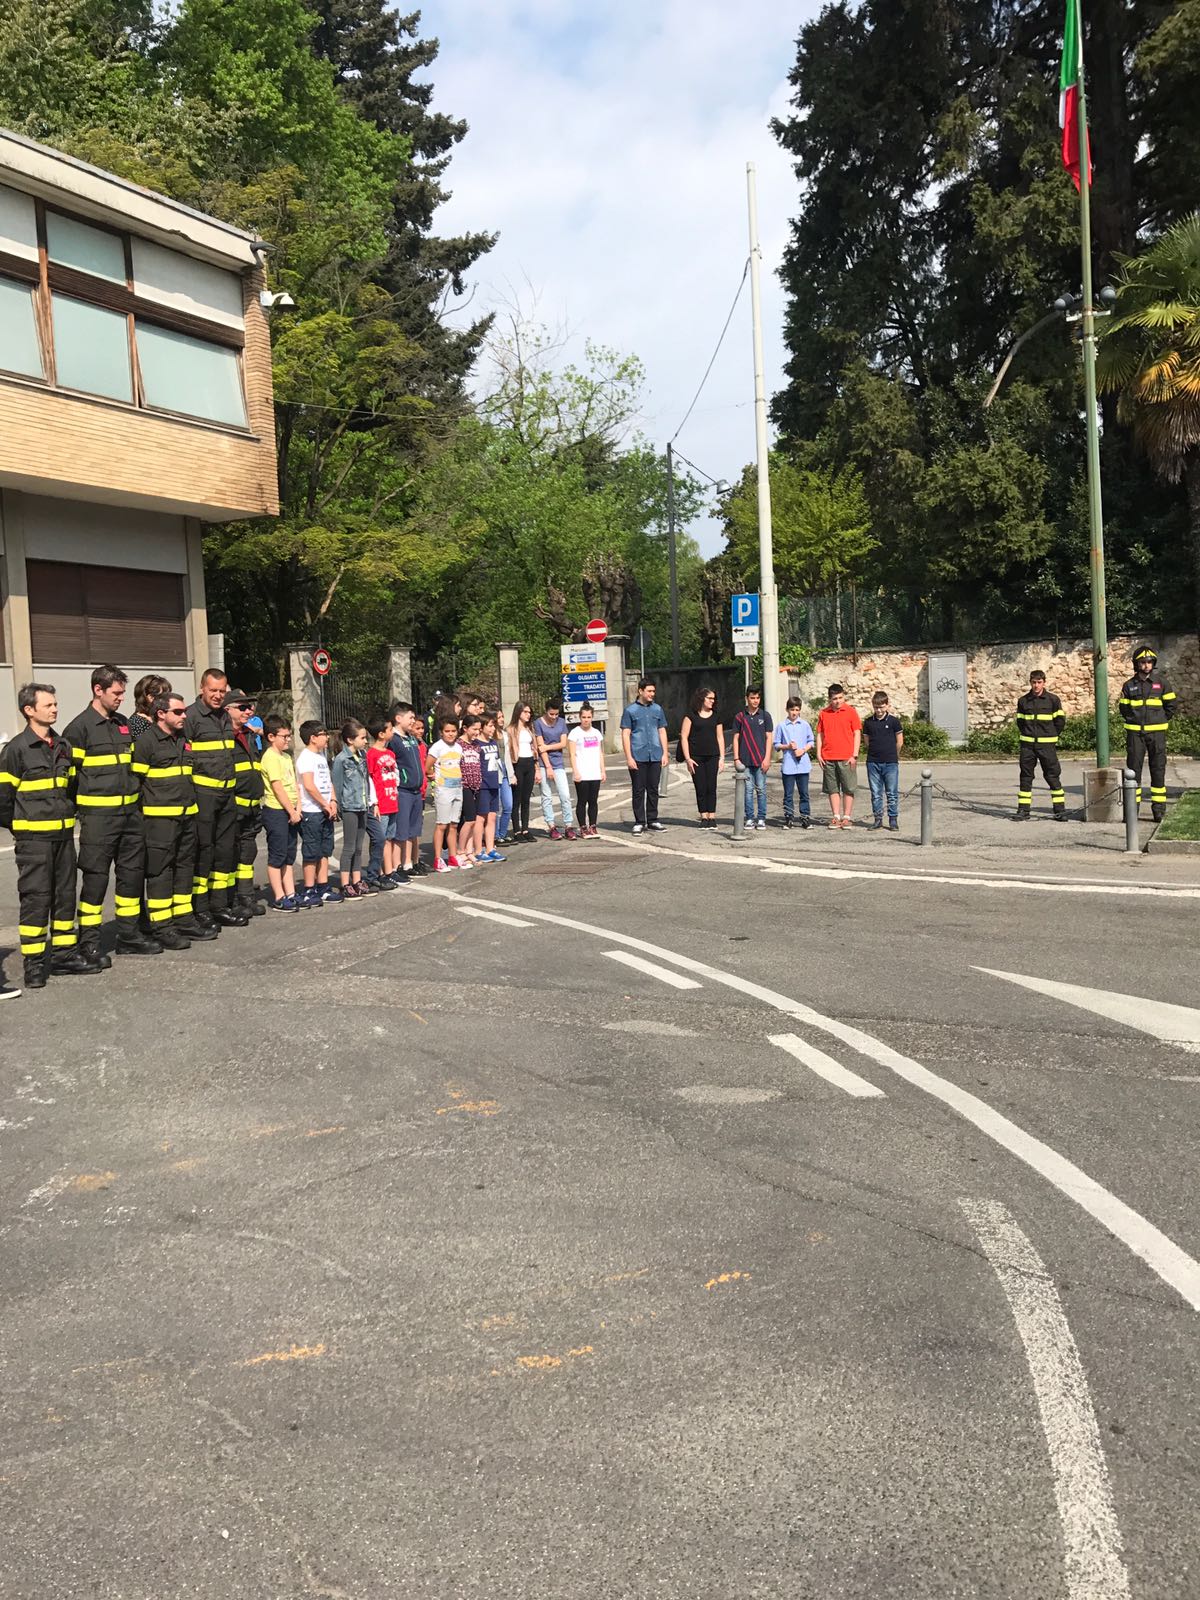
91, 349
19, 348
18, 224
92, 250
193, 286
190, 375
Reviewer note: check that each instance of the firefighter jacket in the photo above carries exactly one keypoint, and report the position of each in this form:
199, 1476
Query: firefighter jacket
247, 771
1040, 719
103, 751
37, 786
162, 763
210, 736
1147, 704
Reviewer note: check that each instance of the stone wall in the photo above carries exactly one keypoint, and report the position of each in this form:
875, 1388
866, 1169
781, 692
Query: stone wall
998, 673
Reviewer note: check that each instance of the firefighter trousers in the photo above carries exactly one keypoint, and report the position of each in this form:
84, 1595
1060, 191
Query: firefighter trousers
170, 865
1045, 756
46, 892
249, 822
111, 843
216, 850
1152, 746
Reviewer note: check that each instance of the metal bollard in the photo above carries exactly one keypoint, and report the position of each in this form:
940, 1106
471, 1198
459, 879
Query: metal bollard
740, 780
1133, 845
926, 806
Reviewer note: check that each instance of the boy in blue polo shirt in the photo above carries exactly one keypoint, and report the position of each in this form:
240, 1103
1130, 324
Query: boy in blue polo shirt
883, 735
795, 738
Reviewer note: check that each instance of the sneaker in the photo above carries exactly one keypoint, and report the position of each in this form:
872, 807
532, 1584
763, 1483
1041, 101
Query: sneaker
282, 904
787, 822
494, 855
368, 886
400, 877
878, 823
894, 826
453, 861
307, 900
554, 834
438, 866
419, 869
465, 863
761, 823
806, 822
570, 834
661, 827
637, 827
385, 885
332, 896
7, 992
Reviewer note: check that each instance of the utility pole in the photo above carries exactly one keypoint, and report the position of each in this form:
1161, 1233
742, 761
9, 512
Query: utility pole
1095, 506
769, 598
671, 555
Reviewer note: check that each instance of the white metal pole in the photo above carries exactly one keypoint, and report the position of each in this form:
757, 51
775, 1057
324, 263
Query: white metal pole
773, 690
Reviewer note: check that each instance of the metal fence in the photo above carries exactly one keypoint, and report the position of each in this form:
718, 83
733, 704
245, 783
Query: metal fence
870, 618
540, 681
361, 695
454, 670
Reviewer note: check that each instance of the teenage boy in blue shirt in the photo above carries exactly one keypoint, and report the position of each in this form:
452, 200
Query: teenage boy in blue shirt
795, 738
883, 735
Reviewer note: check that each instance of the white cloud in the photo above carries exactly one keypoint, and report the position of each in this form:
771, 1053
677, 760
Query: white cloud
608, 145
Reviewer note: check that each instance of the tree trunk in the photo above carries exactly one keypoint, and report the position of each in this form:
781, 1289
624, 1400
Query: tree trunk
1191, 474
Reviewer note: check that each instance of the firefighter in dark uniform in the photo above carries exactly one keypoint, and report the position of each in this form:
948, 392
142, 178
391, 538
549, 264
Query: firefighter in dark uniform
1040, 720
110, 824
209, 733
248, 794
163, 765
37, 805
1147, 704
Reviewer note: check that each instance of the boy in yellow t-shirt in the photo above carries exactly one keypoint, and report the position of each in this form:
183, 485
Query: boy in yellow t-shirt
281, 813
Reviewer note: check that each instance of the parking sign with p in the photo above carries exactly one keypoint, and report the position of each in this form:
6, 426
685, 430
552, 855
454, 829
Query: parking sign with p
744, 618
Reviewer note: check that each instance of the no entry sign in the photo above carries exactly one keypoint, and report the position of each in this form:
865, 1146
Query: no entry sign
322, 661
596, 631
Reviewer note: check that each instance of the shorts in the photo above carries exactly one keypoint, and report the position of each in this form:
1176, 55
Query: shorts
316, 837
391, 825
489, 802
840, 777
470, 805
409, 814
447, 806
282, 837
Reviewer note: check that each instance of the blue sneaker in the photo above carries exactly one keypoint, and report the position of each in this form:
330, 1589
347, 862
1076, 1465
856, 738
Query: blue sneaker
330, 896
309, 901
494, 855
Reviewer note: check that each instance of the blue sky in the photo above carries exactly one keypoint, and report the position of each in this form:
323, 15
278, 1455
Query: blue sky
608, 146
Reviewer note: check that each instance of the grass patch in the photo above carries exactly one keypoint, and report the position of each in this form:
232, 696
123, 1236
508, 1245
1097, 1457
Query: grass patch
1183, 819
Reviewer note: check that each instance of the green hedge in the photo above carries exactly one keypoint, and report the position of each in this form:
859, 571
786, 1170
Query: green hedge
1079, 737
923, 740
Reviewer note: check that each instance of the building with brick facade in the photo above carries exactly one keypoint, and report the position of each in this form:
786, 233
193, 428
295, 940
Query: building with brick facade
135, 406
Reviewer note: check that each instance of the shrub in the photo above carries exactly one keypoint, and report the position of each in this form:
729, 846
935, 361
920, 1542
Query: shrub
1079, 737
993, 741
923, 740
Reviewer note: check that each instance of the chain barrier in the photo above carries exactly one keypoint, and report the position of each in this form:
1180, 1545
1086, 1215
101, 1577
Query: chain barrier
1077, 814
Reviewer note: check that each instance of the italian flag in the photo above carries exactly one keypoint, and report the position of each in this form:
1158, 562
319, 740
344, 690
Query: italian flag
1070, 79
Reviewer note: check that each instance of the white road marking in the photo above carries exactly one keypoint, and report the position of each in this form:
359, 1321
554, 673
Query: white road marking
652, 970
1091, 1536
494, 916
668, 1030
1171, 1023
1161, 1254
962, 881
826, 1067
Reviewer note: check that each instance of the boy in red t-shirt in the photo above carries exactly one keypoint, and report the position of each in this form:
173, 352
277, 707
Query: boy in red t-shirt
381, 764
839, 734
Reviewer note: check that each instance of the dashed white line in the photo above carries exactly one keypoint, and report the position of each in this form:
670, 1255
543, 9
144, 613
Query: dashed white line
1091, 1536
494, 916
826, 1067
652, 969
1161, 1254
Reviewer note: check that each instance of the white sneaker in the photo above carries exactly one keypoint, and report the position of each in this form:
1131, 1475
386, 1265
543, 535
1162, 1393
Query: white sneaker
761, 823
658, 827
637, 827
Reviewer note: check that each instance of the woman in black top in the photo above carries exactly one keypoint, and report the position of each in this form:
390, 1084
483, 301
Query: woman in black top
702, 740
145, 692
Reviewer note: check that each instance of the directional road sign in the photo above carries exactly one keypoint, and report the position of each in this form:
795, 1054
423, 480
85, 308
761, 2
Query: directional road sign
584, 678
745, 618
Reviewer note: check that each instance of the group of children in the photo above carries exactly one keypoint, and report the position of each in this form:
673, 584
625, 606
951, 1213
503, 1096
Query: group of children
482, 770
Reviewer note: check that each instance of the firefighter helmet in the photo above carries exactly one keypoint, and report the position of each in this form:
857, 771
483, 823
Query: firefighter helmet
1143, 652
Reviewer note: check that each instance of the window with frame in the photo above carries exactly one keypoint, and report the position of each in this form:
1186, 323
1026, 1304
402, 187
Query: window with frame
82, 613
76, 317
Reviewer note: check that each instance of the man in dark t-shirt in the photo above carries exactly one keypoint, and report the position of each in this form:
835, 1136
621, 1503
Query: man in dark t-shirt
883, 735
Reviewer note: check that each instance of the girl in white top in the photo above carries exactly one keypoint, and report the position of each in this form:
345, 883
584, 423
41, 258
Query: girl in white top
586, 747
522, 749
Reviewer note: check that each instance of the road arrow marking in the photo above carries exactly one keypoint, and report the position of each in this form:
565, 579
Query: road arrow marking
1179, 1025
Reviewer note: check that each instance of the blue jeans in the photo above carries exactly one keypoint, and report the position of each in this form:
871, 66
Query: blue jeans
505, 816
757, 786
376, 833
564, 798
884, 777
790, 782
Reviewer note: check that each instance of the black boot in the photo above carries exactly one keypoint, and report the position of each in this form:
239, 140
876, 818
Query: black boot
74, 963
225, 918
136, 943
91, 952
193, 930
1158, 812
249, 906
171, 939
35, 972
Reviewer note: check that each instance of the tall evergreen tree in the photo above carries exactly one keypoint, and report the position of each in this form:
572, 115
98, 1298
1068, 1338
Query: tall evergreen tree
377, 54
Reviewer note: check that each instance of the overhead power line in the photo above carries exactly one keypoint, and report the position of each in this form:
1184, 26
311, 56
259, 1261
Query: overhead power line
715, 354
716, 482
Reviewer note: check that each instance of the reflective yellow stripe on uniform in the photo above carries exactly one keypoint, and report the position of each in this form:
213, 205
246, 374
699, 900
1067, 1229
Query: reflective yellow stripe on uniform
123, 759
127, 906
155, 773
106, 800
90, 915
9, 777
28, 784
211, 744
242, 801
1146, 727
62, 825
159, 910
212, 783
166, 811
244, 872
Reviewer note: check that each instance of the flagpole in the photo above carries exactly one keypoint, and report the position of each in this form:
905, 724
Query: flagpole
1095, 503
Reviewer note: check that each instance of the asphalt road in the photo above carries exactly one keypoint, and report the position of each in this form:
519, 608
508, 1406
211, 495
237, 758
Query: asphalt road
394, 1250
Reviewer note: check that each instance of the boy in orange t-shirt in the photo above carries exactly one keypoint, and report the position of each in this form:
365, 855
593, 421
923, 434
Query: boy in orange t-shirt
839, 734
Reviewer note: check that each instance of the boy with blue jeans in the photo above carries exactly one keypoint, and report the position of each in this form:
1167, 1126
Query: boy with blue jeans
550, 731
883, 735
795, 738
752, 733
